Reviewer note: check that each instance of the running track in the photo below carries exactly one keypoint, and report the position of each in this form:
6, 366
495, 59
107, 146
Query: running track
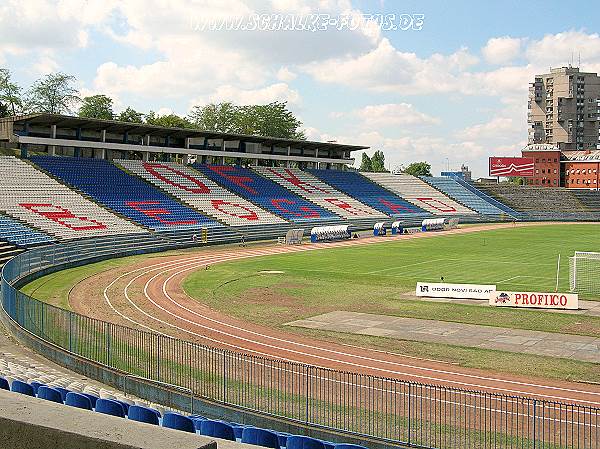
150, 297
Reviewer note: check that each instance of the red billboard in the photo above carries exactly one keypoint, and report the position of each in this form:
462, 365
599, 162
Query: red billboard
511, 166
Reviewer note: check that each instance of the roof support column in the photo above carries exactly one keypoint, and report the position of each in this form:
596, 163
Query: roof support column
147, 139
145, 156
103, 136
52, 148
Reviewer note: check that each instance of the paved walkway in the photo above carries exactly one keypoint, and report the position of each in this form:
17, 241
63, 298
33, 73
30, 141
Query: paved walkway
591, 308
514, 340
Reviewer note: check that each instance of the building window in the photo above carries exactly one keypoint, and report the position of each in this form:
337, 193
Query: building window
537, 171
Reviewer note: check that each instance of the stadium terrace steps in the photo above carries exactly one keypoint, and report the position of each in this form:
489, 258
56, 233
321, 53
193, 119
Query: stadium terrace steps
201, 193
590, 198
537, 201
462, 195
316, 191
490, 199
43, 203
369, 193
126, 194
419, 193
7, 251
267, 194
21, 235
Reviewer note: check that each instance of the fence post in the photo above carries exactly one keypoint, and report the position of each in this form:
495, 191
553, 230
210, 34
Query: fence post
107, 336
307, 388
409, 410
70, 331
534, 418
224, 376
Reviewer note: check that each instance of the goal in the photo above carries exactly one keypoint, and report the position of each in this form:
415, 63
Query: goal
584, 272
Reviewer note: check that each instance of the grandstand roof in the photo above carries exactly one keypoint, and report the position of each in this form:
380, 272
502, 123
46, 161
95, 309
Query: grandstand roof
67, 121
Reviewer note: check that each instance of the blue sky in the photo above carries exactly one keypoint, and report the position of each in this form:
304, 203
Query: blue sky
453, 92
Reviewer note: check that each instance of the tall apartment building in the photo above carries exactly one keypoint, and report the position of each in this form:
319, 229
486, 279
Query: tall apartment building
563, 109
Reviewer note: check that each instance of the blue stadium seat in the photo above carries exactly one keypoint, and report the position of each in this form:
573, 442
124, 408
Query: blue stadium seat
142, 414
266, 193
260, 437
110, 407
179, 422
78, 400
349, 446
63, 392
35, 386
4, 384
301, 442
282, 437
367, 192
92, 397
238, 429
125, 405
22, 387
21, 235
50, 394
124, 193
217, 429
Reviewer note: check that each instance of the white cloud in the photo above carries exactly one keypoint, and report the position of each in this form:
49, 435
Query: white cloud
502, 50
558, 49
498, 127
267, 94
286, 75
390, 114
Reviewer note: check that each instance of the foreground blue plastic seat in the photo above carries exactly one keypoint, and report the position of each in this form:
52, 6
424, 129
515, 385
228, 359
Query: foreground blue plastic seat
349, 446
217, 429
328, 445
4, 384
22, 387
36, 385
63, 392
238, 429
92, 397
282, 437
179, 422
78, 400
110, 407
300, 442
50, 394
260, 437
142, 414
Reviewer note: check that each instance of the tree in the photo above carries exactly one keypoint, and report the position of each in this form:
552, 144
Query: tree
219, 117
418, 169
517, 180
270, 120
10, 95
131, 115
378, 162
97, 106
53, 94
169, 121
366, 163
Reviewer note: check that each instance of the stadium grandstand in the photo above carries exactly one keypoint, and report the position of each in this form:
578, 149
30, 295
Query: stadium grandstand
80, 191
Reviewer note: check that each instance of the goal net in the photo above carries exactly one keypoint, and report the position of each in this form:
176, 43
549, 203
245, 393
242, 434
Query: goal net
584, 272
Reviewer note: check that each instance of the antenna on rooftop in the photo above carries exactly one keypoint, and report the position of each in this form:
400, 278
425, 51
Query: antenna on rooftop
579, 60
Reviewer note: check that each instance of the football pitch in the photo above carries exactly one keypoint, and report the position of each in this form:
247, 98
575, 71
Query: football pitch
522, 258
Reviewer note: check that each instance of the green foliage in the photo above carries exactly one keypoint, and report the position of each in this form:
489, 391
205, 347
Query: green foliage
376, 163
11, 102
517, 180
97, 106
269, 120
366, 163
130, 115
53, 94
418, 169
169, 121
219, 117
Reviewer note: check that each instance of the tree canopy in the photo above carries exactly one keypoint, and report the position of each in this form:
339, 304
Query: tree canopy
56, 93
97, 106
53, 94
418, 169
375, 163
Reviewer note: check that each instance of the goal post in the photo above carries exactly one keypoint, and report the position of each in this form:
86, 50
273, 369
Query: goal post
584, 272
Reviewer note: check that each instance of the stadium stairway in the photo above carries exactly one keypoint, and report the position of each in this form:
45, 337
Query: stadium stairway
369, 193
196, 190
127, 195
320, 193
267, 194
421, 194
541, 203
450, 187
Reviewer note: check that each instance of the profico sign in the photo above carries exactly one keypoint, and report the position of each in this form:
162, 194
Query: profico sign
535, 300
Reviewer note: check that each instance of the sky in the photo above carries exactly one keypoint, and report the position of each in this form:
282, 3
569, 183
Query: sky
437, 81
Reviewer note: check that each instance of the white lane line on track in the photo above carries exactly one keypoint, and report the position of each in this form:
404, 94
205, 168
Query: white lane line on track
179, 262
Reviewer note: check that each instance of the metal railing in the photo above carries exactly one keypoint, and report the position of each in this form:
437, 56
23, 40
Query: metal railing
389, 410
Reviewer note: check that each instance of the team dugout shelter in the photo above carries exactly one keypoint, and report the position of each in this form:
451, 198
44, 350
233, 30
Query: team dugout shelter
62, 135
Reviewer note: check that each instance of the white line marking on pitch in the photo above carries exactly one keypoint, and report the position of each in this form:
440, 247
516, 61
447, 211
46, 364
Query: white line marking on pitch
509, 279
